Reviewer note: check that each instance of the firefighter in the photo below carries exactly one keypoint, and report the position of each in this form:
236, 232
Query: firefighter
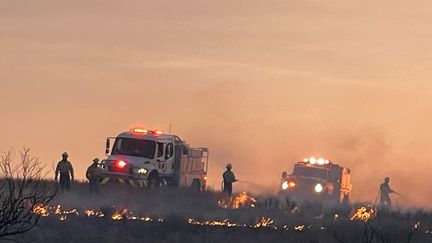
93, 175
228, 180
65, 169
385, 191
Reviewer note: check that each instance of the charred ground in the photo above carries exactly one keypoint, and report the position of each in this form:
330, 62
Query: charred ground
167, 215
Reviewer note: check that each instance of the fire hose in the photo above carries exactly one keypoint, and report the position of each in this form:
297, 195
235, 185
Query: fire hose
401, 195
396, 193
222, 185
249, 183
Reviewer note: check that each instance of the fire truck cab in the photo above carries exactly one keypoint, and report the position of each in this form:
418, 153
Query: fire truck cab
317, 179
149, 158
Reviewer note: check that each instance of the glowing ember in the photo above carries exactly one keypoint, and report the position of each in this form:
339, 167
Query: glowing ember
225, 223
363, 214
92, 213
263, 222
299, 227
147, 219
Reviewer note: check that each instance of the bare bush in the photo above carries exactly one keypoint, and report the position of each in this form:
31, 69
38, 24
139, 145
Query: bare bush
22, 188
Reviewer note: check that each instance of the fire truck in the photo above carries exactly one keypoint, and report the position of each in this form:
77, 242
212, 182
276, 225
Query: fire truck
150, 158
317, 179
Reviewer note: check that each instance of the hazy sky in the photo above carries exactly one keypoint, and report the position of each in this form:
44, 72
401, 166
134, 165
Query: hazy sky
261, 83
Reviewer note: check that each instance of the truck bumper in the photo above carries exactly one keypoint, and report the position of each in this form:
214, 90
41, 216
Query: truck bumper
136, 181
303, 196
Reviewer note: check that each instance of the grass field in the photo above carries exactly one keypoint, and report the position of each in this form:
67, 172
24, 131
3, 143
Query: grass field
169, 215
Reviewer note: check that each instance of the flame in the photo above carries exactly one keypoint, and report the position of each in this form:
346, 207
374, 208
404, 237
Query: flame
45, 211
238, 201
363, 214
264, 222
299, 227
146, 219
225, 223
62, 215
92, 213
124, 214
243, 200
41, 210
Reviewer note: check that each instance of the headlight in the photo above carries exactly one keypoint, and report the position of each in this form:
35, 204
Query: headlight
288, 184
285, 185
142, 171
319, 187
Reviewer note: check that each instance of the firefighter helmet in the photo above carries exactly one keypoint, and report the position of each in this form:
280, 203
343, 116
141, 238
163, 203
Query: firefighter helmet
65, 154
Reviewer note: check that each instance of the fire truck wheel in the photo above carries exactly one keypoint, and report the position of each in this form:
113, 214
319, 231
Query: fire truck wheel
153, 182
196, 185
271, 203
345, 200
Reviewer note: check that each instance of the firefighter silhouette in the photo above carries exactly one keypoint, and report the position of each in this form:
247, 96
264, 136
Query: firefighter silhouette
93, 174
228, 180
385, 191
65, 170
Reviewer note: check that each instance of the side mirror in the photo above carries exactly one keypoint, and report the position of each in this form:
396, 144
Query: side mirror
108, 146
284, 175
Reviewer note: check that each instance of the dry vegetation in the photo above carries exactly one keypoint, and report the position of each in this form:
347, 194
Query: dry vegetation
169, 215
21, 188
30, 211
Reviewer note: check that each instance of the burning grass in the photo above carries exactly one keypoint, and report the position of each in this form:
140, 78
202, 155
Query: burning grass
363, 214
184, 216
239, 200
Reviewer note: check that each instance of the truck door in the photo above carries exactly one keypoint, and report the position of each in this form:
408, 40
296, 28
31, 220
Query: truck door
165, 158
161, 163
177, 164
169, 158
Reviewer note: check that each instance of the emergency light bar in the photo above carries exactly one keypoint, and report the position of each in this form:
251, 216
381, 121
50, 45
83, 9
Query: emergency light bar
313, 161
141, 131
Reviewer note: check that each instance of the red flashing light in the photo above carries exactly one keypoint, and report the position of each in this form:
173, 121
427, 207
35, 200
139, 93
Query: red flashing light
120, 164
157, 133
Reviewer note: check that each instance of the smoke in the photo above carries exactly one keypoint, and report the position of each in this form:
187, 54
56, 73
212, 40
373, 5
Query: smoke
261, 86
261, 142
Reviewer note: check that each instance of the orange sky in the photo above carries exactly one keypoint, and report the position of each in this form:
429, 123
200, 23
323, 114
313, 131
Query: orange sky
261, 83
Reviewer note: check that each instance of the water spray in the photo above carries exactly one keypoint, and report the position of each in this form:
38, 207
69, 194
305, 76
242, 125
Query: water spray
255, 185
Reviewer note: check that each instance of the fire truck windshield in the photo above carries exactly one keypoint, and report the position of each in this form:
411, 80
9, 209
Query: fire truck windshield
311, 172
134, 147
